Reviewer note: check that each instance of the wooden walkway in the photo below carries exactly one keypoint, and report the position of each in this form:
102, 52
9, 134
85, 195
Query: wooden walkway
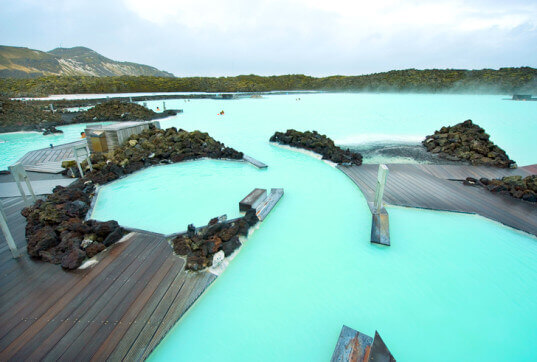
49, 159
41, 187
119, 308
429, 187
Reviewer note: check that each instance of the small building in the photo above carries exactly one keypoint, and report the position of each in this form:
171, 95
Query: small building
522, 97
107, 138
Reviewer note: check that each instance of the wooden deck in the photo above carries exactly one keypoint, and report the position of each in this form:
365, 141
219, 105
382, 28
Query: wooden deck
429, 187
49, 159
119, 308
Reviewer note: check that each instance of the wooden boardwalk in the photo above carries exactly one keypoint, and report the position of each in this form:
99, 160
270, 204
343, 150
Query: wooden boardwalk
119, 308
49, 159
429, 187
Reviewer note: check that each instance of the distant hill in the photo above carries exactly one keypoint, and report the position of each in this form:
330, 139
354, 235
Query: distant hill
17, 62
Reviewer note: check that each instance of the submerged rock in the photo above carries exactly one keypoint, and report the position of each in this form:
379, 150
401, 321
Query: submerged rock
467, 142
51, 130
318, 143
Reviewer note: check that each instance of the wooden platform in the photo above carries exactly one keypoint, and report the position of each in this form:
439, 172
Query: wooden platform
43, 187
531, 169
49, 160
119, 308
429, 187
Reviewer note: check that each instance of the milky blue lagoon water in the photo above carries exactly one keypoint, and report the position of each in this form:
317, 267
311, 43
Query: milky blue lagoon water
451, 286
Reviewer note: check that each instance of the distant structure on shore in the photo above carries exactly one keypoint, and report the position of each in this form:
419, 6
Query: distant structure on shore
523, 97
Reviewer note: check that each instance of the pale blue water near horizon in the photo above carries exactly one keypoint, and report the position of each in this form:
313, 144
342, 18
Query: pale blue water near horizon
451, 286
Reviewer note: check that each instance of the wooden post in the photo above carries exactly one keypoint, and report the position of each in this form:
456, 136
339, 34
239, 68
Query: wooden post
380, 233
381, 182
163, 106
7, 233
19, 175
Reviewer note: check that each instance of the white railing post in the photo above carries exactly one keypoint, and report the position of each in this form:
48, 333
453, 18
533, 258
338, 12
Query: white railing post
381, 182
7, 233
20, 175
75, 153
86, 155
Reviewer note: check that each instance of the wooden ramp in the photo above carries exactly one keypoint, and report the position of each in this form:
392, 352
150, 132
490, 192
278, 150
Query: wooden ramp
49, 160
119, 308
416, 186
254, 162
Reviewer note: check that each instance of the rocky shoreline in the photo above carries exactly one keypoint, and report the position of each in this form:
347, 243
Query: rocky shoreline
117, 111
18, 116
318, 143
515, 186
200, 246
56, 229
467, 142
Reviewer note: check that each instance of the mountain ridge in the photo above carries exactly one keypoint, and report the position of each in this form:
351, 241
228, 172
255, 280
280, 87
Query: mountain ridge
22, 62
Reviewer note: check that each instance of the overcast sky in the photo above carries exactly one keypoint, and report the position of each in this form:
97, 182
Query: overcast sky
314, 37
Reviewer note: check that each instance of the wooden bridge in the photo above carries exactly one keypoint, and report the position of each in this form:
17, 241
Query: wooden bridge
438, 187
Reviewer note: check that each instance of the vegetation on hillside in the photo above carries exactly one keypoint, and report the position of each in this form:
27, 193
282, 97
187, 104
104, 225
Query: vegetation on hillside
18, 62
502, 81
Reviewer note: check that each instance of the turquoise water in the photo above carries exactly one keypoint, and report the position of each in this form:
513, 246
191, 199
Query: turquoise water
451, 286
15, 145
360, 118
170, 196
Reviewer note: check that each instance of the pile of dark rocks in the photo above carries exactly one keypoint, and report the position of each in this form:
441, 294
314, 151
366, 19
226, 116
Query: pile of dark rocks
153, 147
23, 116
467, 142
51, 130
56, 230
318, 143
524, 188
200, 245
